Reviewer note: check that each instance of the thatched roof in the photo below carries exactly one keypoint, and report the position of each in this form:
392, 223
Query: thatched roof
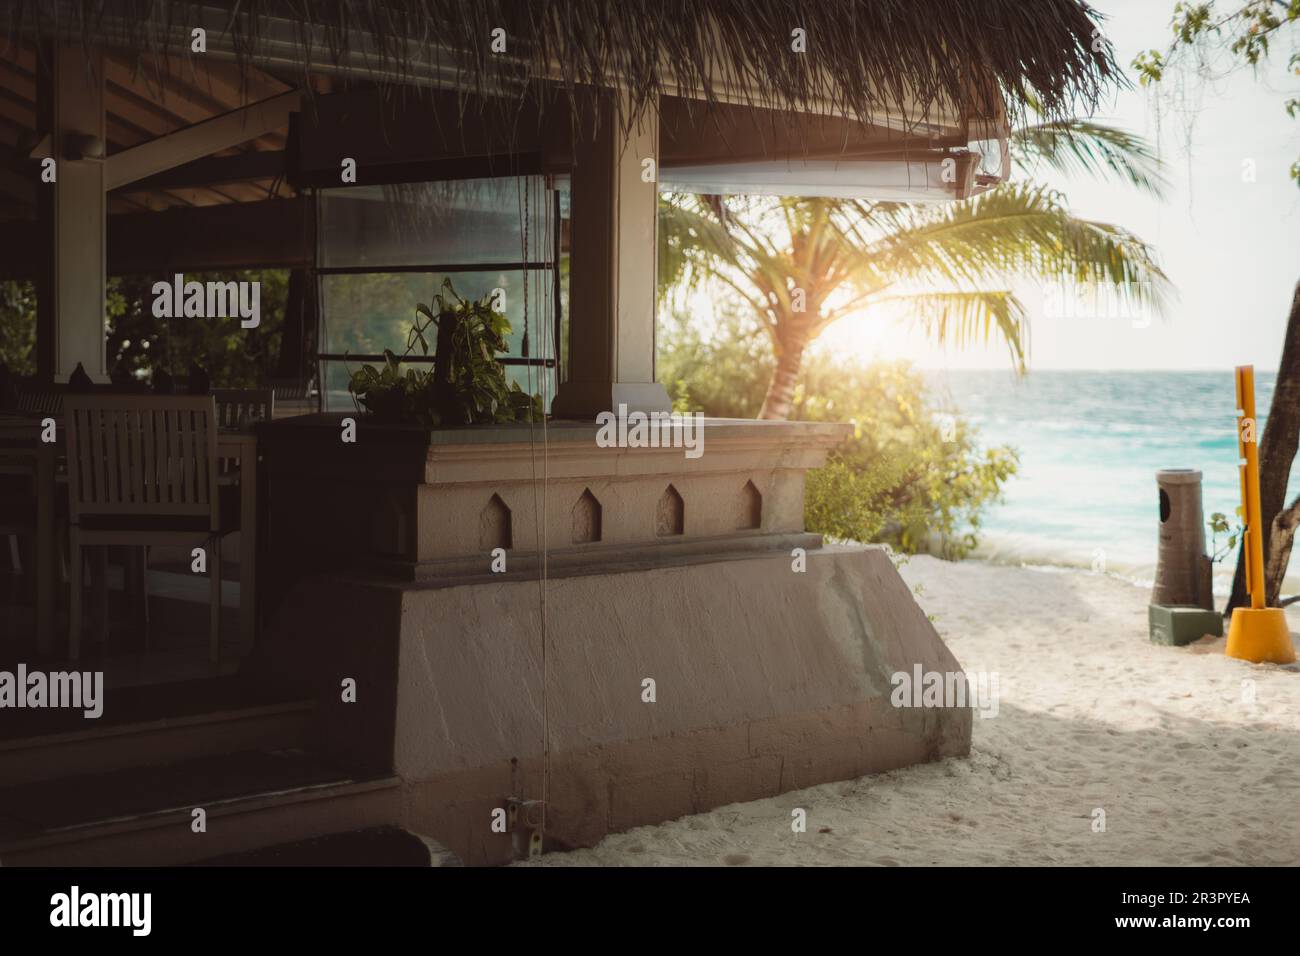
865, 59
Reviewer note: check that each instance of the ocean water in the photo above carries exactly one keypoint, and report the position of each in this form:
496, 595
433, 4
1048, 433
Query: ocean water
1090, 444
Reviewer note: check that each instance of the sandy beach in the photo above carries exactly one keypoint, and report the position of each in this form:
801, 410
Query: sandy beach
1193, 757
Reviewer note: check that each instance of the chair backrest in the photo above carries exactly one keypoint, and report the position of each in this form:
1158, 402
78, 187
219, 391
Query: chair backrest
41, 400
294, 397
240, 407
142, 455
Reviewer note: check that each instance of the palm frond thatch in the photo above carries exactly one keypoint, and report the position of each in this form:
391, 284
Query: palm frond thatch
864, 57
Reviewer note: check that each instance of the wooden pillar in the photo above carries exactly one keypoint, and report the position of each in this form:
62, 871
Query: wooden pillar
71, 325
613, 269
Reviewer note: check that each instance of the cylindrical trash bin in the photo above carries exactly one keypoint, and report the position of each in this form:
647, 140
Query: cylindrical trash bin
1183, 572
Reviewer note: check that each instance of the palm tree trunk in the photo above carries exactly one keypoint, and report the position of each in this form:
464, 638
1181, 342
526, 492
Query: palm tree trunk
780, 391
1278, 556
1277, 450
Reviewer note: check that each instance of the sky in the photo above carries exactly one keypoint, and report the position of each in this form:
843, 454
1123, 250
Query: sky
1229, 243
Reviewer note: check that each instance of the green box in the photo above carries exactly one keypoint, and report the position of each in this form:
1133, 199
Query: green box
1179, 624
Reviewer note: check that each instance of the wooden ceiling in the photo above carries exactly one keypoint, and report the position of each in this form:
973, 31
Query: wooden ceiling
139, 105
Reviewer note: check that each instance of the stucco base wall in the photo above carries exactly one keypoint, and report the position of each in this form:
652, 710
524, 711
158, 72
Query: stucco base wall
766, 680
616, 787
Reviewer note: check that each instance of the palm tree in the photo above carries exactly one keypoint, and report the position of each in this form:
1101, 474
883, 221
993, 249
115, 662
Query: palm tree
802, 264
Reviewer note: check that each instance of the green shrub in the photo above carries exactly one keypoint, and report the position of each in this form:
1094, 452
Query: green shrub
18, 326
912, 476
137, 344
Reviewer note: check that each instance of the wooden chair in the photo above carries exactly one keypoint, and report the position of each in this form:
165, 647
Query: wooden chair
240, 407
17, 508
44, 401
142, 470
294, 397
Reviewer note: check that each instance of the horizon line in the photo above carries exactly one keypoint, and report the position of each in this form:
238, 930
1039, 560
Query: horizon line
1227, 370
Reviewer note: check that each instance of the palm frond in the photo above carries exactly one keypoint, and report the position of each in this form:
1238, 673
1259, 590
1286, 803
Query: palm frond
1072, 146
1013, 230
695, 243
961, 319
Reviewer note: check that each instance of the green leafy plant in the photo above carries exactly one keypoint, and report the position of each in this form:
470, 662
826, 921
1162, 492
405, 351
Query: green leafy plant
1219, 524
1210, 40
467, 384
914, 474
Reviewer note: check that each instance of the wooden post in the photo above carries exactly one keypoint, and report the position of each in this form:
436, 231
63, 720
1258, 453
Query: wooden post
613, 274
71, 289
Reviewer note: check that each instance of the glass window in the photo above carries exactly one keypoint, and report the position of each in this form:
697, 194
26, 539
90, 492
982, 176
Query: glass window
382, 249
462, 222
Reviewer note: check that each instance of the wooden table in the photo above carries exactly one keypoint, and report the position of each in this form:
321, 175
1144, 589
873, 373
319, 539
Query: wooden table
20, 435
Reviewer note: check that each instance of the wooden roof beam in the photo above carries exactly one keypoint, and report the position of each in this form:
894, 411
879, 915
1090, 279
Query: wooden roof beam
275, 234
218, 82
217, 171
18, 107
17, 187
201, 139
180, 101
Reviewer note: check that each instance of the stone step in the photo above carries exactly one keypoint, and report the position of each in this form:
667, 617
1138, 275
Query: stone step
144, 816
376, 846
147, 726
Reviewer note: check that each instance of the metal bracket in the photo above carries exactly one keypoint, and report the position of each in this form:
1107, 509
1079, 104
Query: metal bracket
524, 823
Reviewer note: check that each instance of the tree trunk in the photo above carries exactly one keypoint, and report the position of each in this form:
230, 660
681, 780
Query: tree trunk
1277, 450
780, 391
1277, 555
296, 359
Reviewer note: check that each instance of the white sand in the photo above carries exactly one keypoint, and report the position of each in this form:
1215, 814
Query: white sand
1091, 715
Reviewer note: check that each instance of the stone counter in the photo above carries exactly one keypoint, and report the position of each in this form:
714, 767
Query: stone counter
423, 504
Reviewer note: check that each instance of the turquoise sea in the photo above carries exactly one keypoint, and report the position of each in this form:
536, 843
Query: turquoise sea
1090, 444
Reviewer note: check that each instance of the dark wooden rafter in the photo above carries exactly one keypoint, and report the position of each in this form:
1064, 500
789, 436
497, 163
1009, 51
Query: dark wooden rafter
730, 134
218, 82
18, 102
133, 117
18, 186
11, 131
17, 98
181, 105
148, 108
255, 166
195, 141
139, 108
274, 234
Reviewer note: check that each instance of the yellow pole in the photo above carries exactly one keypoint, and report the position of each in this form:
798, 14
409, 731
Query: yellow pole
1257, 633
1248, 445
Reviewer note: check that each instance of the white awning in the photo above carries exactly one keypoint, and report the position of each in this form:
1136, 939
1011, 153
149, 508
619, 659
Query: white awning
960, 174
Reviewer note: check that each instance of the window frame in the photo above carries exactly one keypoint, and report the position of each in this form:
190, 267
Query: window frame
552, 190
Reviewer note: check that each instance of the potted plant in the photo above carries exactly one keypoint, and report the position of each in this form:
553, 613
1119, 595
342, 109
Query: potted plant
467, 384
